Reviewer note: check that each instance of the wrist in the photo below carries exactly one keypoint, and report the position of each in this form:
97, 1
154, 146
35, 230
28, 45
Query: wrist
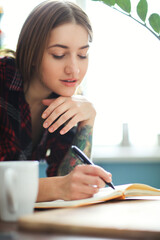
89, 122
50, 188
86, 123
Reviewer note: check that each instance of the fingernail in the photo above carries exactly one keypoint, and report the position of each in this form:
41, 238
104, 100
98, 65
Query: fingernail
51, 130
62, 132
45, 125
44, 115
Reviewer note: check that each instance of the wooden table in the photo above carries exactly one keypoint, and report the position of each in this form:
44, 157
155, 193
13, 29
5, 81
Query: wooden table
11, 231
128, 219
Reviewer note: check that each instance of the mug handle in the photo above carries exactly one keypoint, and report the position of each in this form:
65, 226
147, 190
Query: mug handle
10, 183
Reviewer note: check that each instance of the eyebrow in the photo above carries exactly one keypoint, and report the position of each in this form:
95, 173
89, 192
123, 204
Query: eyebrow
65, 47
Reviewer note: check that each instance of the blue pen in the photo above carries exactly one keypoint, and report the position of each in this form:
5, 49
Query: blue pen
86, 160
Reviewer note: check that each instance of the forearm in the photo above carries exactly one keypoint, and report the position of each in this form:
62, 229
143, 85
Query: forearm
49, 188
82, 139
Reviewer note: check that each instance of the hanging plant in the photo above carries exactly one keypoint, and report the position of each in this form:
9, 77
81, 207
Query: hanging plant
125, 7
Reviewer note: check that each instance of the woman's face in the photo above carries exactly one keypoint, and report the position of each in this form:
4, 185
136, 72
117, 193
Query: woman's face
65, 59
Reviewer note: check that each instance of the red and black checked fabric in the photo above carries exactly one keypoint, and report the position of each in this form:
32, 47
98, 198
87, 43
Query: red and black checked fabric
15, 124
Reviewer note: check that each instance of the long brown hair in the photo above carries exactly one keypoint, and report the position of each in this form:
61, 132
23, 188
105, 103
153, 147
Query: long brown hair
36, 30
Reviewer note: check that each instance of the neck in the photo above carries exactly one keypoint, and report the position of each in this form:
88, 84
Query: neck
35, 93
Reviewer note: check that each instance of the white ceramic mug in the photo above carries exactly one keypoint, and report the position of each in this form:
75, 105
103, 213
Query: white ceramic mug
18, 188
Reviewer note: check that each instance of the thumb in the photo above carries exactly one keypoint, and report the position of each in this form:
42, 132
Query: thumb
47, 102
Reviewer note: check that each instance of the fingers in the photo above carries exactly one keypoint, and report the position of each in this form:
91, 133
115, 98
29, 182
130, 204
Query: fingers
70, 124
65, 110
71, 118
67, 117
55, 114
86, 177
75, 190
64, 114
84, 181
52, 105
88, 191
106, 176
96, 171
47, 102
80, 191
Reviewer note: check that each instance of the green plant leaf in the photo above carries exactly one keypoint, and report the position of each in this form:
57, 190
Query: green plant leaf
125, 5
154, 21
142, 9
109, 2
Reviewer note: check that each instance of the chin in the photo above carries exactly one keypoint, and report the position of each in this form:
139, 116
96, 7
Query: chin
67, 94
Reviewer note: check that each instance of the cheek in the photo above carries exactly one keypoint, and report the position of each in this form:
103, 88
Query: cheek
84, 69
50, 70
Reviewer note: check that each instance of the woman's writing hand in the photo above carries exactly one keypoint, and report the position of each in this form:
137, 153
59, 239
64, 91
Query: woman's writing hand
68, 110
83, 182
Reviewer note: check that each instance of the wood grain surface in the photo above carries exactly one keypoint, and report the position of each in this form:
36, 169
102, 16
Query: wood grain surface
128, 219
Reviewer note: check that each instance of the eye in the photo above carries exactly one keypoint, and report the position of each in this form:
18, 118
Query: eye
83, 56
57, 56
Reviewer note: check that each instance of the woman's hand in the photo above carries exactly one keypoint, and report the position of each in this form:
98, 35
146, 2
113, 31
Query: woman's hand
68, 110
83, 182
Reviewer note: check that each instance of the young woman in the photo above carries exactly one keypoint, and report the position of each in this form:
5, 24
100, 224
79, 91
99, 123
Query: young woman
40, 117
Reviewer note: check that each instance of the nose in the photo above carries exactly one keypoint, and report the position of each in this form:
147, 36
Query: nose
72, 68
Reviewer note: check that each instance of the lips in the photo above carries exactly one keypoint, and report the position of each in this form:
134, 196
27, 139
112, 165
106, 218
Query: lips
69, 82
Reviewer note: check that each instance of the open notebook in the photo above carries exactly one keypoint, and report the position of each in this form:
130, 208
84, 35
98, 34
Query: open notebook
105, 194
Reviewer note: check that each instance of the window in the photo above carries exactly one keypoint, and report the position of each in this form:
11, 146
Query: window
123, 78
15, 13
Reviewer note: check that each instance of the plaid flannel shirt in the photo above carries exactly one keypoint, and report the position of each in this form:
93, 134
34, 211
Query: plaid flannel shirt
16, 127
